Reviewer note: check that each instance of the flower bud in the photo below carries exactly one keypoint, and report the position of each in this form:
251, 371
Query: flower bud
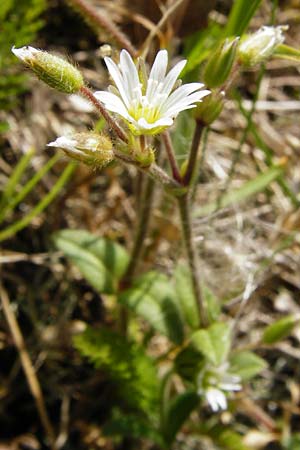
210, 108
258, 47
92, 149
54, 71
219, 65
142, 156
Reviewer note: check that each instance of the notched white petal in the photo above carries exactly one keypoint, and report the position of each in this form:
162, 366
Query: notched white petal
25, 53
64, 142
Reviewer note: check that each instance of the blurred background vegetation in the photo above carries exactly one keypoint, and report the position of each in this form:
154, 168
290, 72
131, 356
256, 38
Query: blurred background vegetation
247, 232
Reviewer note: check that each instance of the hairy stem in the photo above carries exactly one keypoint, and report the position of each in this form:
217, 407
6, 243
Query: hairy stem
171, 156
155, 172
86, 92
97, 20
140, 233
193, 156
187, 234
138, 245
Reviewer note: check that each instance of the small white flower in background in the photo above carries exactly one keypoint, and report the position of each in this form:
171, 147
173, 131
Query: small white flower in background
214, 383
259, 46
148, 106
216, 399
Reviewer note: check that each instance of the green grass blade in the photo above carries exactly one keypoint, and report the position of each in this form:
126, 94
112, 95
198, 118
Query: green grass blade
17, 226
240, 16
15, 177
248, 189
286, 52
15, 200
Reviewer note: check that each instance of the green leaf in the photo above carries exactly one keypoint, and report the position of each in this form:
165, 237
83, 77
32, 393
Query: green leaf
247, 190
178, 411
198, 47
214, 342
126, 364
183, 286
131, 426
101, 261
187, 302
15, 199
286, 52
240, 15
15, 177
43, 204
279, 329
246, 364
188, 363
153, 297
230, 440
183, 134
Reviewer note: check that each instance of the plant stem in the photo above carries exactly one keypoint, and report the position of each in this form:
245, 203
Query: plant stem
99, 21
193, 153
138, 246
155, 172
141, 233
187, 234
86, 92
171, 156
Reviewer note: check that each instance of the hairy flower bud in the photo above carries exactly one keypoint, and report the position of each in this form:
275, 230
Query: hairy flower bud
258, 47
53, 70
219, 65
210, 108
92, 148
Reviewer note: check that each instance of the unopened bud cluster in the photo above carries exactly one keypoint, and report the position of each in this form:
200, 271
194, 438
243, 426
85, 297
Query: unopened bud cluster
53, 70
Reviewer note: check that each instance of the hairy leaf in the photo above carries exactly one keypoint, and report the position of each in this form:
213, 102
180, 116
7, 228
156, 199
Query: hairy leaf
279, 329
246, 364
213, 343
126, 364
153, 297
101, 262
178, 411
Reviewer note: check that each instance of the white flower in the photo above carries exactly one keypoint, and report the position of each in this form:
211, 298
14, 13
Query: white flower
216, 399
214, 382
148, 106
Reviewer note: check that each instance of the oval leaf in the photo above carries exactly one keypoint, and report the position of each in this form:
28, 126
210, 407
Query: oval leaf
153, 298
101, 262
214, 342
279, 329
186, 298
178, 411
246, 364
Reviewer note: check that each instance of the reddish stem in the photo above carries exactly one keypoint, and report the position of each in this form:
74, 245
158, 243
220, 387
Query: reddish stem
86, 92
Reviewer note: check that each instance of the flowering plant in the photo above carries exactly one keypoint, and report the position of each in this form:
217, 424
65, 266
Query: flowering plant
201, 369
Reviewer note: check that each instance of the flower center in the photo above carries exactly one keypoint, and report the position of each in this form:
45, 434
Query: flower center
142, 108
